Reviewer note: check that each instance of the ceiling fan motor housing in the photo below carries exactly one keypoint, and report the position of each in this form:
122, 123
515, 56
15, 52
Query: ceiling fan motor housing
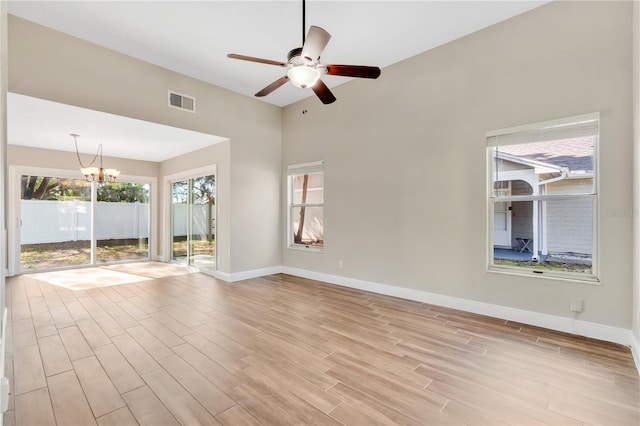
294, 57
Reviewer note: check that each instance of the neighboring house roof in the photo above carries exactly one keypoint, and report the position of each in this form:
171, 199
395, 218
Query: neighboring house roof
576, 154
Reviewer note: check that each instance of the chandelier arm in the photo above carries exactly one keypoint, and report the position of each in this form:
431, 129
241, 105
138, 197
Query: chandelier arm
78, 155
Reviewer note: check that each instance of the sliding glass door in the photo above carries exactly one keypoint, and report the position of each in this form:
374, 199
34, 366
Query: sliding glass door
201, 243
122, 222
193, 222
66, 222
179, 221
55, 222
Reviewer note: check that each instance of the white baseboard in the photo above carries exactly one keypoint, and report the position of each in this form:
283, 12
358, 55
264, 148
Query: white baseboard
245, 275
224, 276
565, 324
553, 322
635, 350
4, 382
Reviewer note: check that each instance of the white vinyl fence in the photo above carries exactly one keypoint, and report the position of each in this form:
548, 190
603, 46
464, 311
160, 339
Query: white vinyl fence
45, 221
200, 217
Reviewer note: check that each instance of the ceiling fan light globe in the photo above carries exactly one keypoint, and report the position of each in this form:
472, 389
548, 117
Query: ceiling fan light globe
303, 76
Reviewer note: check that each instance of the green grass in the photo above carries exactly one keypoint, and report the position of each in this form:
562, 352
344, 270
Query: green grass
199, 247
71, 253
547, 265
75, 253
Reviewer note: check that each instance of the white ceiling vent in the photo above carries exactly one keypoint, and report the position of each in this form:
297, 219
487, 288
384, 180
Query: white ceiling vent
184, 102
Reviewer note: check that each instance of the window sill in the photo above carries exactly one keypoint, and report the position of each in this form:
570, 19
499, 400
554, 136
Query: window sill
305, 248
551, 275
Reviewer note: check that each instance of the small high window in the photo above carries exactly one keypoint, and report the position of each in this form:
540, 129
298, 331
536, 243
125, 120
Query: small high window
306, 205
543, 198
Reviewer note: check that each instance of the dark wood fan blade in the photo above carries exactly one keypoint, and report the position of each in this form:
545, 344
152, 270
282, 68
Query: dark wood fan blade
360, 71
252, 59
322, 91
315, 42
273, 86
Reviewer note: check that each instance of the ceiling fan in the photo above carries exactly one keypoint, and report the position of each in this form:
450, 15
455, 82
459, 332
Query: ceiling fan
304, 67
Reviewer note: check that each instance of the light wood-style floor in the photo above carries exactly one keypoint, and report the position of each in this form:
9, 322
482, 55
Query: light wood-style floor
283, 350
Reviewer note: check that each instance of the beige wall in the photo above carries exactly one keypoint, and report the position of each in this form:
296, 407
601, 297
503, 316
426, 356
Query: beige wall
3, 169
50, 65
48, 158
405, 160
636, 175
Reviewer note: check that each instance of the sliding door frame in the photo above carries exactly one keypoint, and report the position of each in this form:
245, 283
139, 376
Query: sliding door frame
14, 214
166, 237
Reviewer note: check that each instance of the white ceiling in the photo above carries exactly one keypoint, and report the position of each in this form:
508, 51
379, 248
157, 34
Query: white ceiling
44, 124
194, 37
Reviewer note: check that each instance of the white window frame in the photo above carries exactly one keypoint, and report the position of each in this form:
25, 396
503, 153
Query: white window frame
296, 170
546, 130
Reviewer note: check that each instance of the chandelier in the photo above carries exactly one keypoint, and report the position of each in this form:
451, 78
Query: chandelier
91, 172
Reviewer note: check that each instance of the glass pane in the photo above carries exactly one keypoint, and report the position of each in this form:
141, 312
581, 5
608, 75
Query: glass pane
549, 167
122, 221
520, 187
501, 224
308, 189
56, 222
179, 220
308, 226
501, 185
554, 235
202, 245
500, 221
194, 222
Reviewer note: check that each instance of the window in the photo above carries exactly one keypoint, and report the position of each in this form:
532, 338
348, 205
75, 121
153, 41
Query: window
306, 205
543, 198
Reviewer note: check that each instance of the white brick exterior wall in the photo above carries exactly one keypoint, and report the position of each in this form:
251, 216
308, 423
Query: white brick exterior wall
570, 222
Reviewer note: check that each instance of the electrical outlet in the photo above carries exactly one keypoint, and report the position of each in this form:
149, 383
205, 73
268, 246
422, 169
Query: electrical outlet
340, 264
219, 260
575, 306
